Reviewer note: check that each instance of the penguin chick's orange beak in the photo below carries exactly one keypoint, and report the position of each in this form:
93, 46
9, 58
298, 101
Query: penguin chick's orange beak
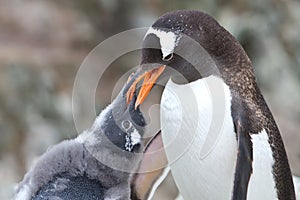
150, 78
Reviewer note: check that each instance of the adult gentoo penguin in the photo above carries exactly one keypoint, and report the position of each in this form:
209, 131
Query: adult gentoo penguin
97, 165
226, 144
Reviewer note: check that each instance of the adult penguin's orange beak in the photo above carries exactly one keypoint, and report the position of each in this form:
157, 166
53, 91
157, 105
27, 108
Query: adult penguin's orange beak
150, 77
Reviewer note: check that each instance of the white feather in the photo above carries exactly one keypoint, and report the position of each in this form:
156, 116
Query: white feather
23, 194
297, 186
201, 152
201, 145
262, 184
168, 40
135, 137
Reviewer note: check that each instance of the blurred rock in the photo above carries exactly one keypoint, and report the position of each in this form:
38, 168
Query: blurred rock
42, 44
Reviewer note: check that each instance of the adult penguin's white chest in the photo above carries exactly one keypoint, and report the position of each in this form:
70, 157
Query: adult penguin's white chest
201, 145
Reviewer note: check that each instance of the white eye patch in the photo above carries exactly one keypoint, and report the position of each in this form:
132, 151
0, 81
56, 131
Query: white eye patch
168, 40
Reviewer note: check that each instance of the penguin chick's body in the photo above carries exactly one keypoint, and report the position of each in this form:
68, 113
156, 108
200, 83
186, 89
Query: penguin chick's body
95, 165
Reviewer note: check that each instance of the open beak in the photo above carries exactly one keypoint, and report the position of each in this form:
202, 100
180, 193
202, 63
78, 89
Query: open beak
150, 78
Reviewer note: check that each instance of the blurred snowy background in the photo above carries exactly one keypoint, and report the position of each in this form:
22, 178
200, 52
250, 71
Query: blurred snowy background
42, 44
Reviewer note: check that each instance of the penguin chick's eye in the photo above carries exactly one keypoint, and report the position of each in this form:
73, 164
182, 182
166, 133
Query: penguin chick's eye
126, 124
168, 57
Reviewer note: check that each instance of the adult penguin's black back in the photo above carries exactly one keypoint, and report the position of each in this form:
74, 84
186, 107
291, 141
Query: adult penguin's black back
256, 132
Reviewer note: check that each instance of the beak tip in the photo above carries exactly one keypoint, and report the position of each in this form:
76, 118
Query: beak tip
150, 78
137, 104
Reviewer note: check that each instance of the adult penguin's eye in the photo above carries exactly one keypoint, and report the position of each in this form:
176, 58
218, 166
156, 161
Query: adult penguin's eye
168, 57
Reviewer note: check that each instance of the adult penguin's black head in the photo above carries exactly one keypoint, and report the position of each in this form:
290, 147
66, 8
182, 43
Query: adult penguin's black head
194, 45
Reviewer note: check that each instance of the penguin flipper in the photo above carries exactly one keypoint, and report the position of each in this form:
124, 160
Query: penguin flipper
243, 168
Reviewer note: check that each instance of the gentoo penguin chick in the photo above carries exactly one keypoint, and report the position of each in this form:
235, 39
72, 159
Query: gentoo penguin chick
221, 138
96, 165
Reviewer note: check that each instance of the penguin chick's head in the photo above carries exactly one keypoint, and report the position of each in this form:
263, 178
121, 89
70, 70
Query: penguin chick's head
123, 125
